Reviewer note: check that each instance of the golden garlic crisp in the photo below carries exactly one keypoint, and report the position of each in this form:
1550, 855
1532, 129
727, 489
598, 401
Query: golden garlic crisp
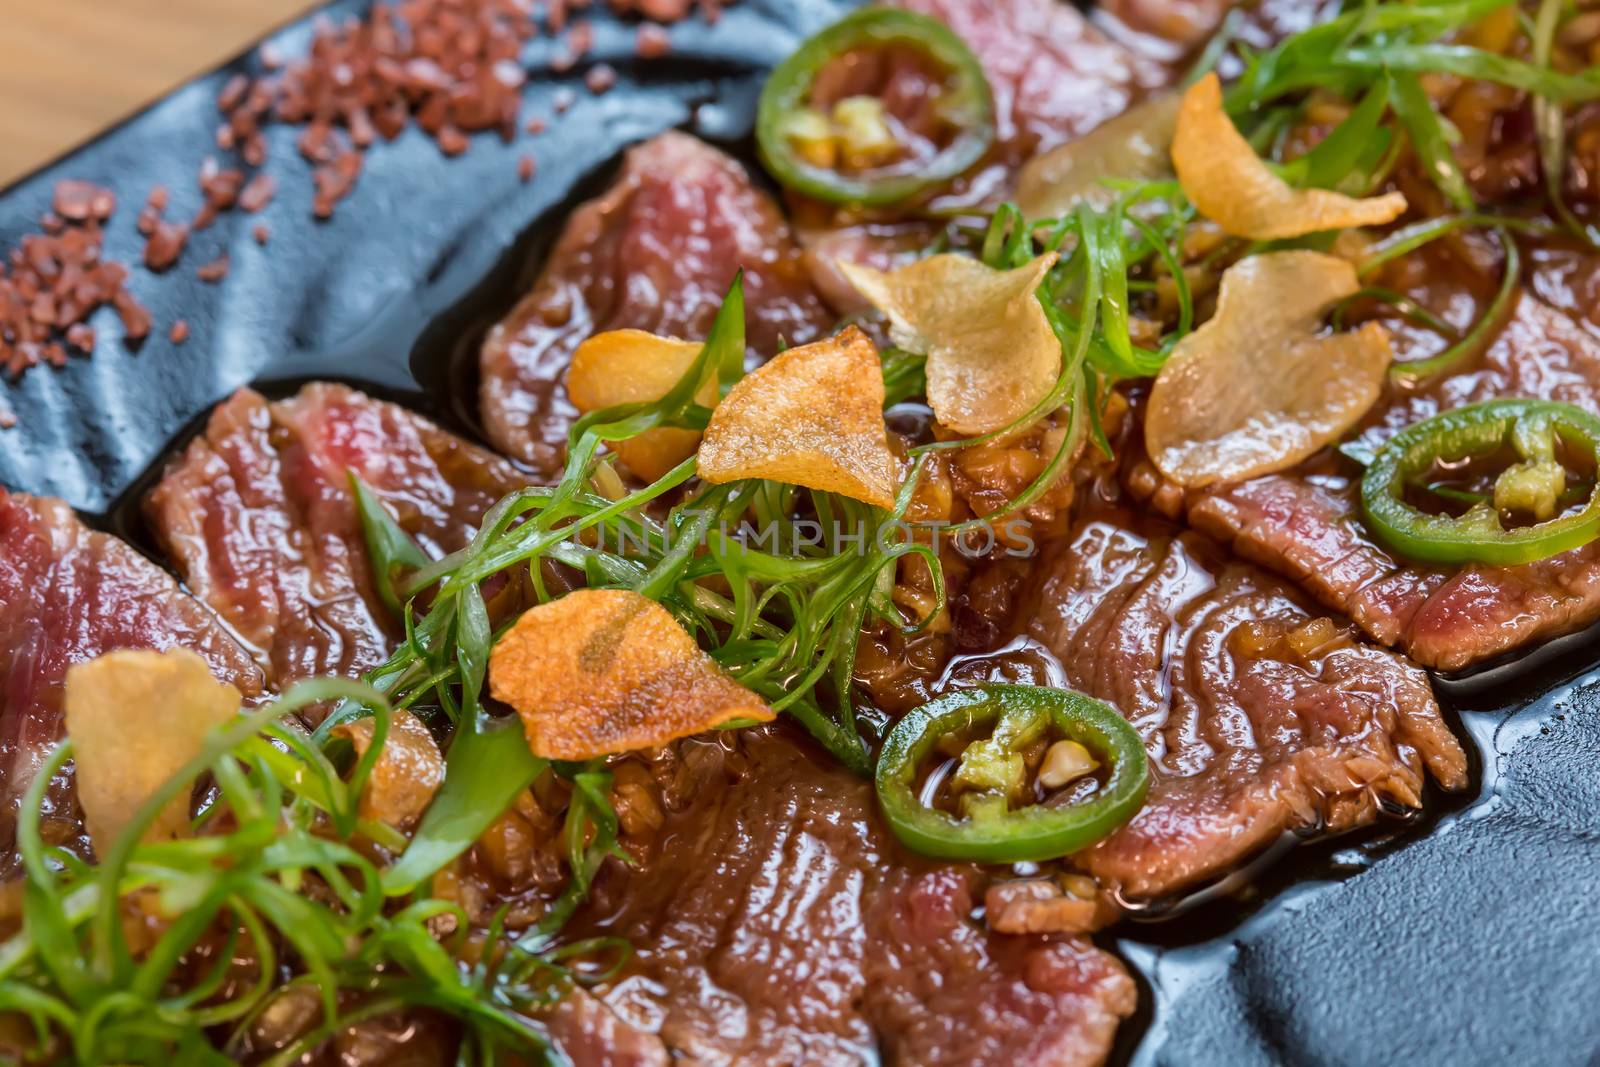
634, 367
1230, 185
1134, 146
135, 718
407, 773
602, 671
991, 353
812, 416
1259, 387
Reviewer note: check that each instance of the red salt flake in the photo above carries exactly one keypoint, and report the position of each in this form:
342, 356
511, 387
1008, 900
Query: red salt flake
220, 185
333, 181
525, 168
659, 10
52, 223
7, 419
79, 200
563, 100
434, 115
179, 332
313, 141
581, 39
42, 309
233, 93
57, 278
362, 129
451, 67
214, 271
261, 233
165, 245
258, 193
535, 125
149, 215
651, 41
135, 317
452, 142
255, 150
424, 74
600, 78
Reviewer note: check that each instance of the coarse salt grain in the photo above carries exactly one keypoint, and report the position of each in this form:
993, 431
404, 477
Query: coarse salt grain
51, 282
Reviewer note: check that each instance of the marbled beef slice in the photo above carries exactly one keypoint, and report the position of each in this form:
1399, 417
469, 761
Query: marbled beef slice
67, 595
777, 921
656, 252
258, 516
1259, 716
1306, 524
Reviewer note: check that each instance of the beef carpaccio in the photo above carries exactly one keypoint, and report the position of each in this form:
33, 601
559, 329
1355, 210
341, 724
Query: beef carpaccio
67, 595
656, 252
1308, 525
259, 516
776, 921
791, 857
1260, 717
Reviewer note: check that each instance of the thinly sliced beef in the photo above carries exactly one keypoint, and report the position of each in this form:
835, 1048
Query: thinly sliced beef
68, 594
778, 922
1307, 526
1259, 717
258, 515
1171, 31
1053, 75
657, 252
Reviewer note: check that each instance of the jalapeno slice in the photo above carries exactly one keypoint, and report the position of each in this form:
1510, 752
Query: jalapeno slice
1535, 484
786, 101
991, 829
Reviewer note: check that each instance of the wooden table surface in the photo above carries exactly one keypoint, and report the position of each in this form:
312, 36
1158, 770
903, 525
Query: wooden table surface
70, 68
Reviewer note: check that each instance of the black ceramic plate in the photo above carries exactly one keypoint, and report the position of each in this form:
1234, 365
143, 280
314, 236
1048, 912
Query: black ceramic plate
1471, 936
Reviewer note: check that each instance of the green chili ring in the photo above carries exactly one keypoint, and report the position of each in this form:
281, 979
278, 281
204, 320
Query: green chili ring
1031, 833
787, 91
1531, 427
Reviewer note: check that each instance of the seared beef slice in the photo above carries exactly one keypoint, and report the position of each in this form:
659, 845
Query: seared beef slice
1307, 524
657, 252
1258, 717
778, 922
67, 595
259, 517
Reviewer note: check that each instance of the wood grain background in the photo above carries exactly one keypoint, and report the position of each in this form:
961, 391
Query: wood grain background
70, 68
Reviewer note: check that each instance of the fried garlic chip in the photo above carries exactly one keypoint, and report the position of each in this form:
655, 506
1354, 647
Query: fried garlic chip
407, 773
1230, 185
812, 416
135, 718
603, 671
635, 367
1134, 146
1259, 387
991, 352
